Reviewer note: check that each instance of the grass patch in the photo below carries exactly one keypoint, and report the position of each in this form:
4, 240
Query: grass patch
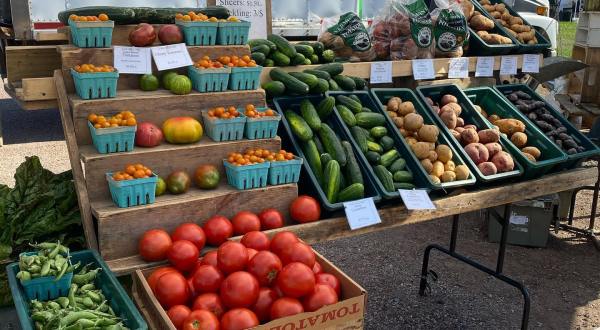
566, 38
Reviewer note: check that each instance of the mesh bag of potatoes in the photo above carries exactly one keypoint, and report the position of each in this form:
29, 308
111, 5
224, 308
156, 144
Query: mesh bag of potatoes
347, 37
450, 28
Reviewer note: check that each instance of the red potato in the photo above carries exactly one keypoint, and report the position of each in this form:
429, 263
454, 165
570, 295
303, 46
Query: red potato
456, 134
471, 126
503, 161
487, 168
436, 109
469, 136
449, 118
488, 135
454, 107
448, 98
477, 152
493, 148
460, 122
459, 129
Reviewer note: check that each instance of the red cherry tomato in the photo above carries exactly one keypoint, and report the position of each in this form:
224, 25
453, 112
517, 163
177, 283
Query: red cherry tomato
239, 289
177, 314
286, 306
153, 278
256, 240
305, 209
244, 222
265, 266
190, 232
154, 245
210, 302
210, 258
207, 278
183, 255
201, 320
296, 280
217, 230
317, 268
270, 219
282, 240
262, 308
172, 289
321, 296
251, 253
299, 252
331, 280
239, 319
232, 257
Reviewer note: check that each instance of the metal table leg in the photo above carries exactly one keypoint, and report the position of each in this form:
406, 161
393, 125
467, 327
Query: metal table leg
497, 273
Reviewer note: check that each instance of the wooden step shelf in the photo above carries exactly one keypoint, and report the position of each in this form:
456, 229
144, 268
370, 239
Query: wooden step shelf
120, 228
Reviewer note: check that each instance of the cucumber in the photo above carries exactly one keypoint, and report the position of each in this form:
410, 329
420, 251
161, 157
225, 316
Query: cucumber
347, 115
118, 15
385, 177
343, 182
135, 15
309, 79
318, 47
318, 73
360, 138
368, 119
314, 59
365, 109
307, 62
292, 84
325, 107
378, 132
332, 178
274, 88
389, 157
332, 144
313, 158
352, 170
386, 143
404, 185
328, 56
321, 87
282, 45
374, 146
297, 59
373, 157
332, 68
318, 144
269, 63
258, 57
256, 42
359, 82
345, 83
398, 165
325, 158
310, 115
333, 86
403, 176
353, 105
262, 48
299, 127
354, 97
280, 58
305, 50
352, 192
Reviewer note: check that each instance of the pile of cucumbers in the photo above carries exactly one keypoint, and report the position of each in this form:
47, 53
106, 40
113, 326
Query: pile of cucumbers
331, 160
277, 51
326, 77
373, 139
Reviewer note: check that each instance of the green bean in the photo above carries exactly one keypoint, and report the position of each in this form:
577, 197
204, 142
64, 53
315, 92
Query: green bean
75, 326
87, 287
71, 294
73, 267
85, 323
53, 305
62, 272
35, 304
42, 316
38, 326
102, 307
44, 245
45, 269
73, 317
55, 251
111, 312
94, 296
88, 302
34, 269
86, 278
104, 322
59, 261
24, 275
63, 301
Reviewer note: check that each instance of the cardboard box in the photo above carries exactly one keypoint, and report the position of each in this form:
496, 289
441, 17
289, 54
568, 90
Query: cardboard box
348, 313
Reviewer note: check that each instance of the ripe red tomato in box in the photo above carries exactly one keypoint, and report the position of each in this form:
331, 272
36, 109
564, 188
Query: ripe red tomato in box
251, 253
183, 255
265, 266
232, 257
321, 296
286, 306
177, 314
239, 289
153, 278
210, 302
172, 289
201, 320
282, 240
262, 307
217, 230
244, 222
154, 244
210, 258
190, 232
331, 280
238, 319
317, 268
256, 240
305, 209
298, 252
207, 278
296, 280
270, 219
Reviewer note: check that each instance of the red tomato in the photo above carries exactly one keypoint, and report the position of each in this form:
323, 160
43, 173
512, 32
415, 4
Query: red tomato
262, 308
251, 253
239, 289
305, 209
190, 232
154, 244
270, 219
239, 319
296, 280
207, 278
285, 306
177, 314
191, 286
210, 302
244, 222
172, 289
265, 266
299, 252
256, 240
153, 278
321, 296
277, 290
317, 269
217, 229
196, 266
201, 320
331, 280
210, 258
183, 255
232, 257
282, 240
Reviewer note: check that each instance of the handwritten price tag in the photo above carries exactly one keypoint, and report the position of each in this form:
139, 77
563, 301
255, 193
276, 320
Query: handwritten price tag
381, 72
136, 60
485, 66
171, 56
416, 199
458, 67
508, 65
531, 63
361, 213
423, 69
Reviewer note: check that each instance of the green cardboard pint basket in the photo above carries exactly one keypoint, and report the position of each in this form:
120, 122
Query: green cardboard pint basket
245, 78
127, 193
95, 34
95, 85
209, 80
233, 33
230, 129
113, 139
282, 172
198, 33
247, 176
261, 127
45, 288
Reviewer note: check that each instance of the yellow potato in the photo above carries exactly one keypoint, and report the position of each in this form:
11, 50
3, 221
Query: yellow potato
462, 172
449, 166
438, 168
444, 153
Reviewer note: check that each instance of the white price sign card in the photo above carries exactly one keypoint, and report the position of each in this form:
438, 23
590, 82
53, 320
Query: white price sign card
508, 65
253, 11
361, 213
136, 60
171, 56
531, 63
458, 67
423, 69
485, 66
381, 72
416, 199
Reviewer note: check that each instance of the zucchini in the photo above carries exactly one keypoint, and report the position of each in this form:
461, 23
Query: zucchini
359, 82
292, 84
372, 157
297, 59
274, 88
385, 177
280, 58
403, 176
389, 157
256, 42
318, 144
360, 138
309, 79
321, 87
283, 45
332, 178
332, 144
318, 73
299, 127
404, 185
313, 158
378, 132
368, 119
269, 63
261, 48
318, 47
305, 50
333, 86
332, 68
325, 107
345, 83
352, 170
353, 105
258, 57
374, 146
386, 142
325, 158
352, 192
347, 115
398, 165
310, 115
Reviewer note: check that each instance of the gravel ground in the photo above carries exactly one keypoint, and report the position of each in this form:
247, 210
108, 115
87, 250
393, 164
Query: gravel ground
562, 279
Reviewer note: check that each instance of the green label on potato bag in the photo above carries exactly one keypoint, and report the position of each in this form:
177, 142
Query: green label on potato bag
351, 29
450, 30
421, 25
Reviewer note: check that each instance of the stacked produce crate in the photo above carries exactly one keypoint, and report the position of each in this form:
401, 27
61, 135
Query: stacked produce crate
587, 50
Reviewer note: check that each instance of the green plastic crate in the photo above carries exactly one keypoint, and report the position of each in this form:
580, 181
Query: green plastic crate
478, 47
381, 97
572, 160
470, 116
493, 103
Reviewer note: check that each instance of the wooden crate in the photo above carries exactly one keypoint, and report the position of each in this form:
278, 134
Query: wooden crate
591, 76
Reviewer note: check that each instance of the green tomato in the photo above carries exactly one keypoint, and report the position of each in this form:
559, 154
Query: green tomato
161, 187
149, 82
